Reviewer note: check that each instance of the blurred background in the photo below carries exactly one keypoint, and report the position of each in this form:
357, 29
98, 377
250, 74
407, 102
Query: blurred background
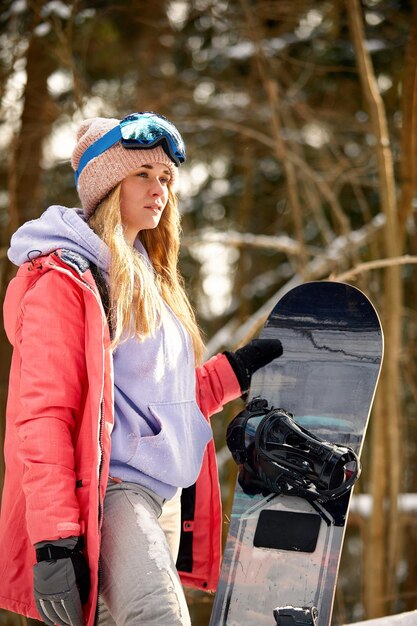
300, 122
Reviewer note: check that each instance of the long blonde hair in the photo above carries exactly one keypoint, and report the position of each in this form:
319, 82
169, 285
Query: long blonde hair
135, 289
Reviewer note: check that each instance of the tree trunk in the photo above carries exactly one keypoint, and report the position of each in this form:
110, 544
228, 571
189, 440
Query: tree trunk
408, 162
25, 189
272, 93
390, 383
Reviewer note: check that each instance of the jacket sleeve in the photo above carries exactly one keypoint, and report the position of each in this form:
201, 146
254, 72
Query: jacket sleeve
52, 382
216, 385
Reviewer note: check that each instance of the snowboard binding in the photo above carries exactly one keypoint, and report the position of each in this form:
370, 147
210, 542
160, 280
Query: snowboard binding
290, 616
277, 455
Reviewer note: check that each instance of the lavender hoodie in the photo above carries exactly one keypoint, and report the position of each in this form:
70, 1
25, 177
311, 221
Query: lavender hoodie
159, 434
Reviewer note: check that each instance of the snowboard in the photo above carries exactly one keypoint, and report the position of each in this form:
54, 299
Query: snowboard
283, 550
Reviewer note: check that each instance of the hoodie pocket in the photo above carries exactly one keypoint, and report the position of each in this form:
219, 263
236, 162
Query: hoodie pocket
175, 454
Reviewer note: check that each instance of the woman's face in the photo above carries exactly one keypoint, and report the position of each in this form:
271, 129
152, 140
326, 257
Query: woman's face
143, 197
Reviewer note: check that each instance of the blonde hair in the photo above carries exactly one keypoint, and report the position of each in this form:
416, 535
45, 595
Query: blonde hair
135, 289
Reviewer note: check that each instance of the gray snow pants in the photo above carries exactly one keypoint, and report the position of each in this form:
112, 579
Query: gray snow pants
139, 581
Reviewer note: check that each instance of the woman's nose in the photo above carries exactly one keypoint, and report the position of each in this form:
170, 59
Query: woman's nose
156, 188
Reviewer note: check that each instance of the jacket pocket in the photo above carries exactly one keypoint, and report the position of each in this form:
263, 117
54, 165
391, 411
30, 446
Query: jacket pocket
175, 454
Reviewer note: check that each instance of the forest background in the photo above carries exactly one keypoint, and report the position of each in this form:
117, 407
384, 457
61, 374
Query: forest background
300, 121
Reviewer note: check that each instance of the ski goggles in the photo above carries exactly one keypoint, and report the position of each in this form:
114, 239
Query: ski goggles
138, 131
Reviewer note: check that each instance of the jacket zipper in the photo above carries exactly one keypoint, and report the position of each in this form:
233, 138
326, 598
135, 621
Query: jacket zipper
100, 504
100, 467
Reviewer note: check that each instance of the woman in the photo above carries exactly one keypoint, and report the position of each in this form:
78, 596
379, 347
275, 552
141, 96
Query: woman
107, 417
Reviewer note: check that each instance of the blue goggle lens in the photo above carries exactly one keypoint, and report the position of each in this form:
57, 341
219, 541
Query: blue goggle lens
147, 130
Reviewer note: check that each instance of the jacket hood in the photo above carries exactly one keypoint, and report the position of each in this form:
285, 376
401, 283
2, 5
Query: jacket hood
58, 227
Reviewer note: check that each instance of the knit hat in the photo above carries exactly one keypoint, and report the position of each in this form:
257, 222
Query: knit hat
109, 168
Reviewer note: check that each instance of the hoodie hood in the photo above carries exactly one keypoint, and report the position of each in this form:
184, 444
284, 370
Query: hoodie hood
58, 227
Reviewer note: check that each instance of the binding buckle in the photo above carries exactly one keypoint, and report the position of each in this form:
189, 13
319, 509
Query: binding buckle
292, 616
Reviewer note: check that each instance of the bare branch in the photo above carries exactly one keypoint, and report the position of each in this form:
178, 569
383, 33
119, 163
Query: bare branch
318, 268
374, 265
280, 243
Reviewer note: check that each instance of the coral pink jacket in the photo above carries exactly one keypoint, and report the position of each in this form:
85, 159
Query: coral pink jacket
59, 422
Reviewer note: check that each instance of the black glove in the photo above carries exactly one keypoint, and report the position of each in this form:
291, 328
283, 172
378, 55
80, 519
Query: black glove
61, 581
253, 356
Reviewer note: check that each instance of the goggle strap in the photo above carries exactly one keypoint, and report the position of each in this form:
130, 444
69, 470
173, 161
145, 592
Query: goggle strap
98, 147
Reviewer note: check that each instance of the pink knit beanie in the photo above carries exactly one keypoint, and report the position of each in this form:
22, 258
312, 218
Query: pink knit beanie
105, 171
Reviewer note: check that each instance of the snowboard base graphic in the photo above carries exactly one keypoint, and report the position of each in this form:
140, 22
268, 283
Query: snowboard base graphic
282, 552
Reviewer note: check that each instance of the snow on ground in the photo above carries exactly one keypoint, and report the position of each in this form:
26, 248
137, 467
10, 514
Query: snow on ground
404, 619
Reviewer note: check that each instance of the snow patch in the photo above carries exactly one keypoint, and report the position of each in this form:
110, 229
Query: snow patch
158, 550
160, 554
